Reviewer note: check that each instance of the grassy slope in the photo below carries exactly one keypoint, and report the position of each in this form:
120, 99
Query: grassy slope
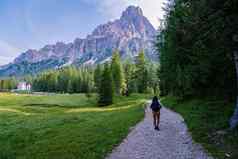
207, 121
63, 126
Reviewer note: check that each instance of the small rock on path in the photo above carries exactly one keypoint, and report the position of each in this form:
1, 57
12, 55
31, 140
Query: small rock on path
173, 141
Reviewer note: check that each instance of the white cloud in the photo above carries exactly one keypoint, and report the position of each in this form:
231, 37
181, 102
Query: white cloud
4, 60
152, 8
7, 52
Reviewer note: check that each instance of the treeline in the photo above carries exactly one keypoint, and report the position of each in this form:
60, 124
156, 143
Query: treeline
112, 78
109, 79
115, 78
196, 45
8, 84
65, 80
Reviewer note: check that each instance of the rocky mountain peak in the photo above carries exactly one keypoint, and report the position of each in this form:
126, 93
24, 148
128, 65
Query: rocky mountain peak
131, 12
132, 23
129, 34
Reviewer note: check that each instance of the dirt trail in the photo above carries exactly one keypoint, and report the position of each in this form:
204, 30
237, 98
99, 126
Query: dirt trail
173, 141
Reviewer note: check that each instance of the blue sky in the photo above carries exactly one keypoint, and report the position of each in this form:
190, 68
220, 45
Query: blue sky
31, 24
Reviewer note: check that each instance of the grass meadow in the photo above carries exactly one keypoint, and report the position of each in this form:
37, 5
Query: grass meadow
64, 126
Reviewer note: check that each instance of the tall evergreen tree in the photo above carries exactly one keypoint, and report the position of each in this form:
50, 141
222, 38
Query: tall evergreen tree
106, 87
130, 78
117, 73
97, 77
141, 73
153, 80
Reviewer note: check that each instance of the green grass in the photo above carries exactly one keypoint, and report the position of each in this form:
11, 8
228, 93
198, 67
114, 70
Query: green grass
207, 120
64, 126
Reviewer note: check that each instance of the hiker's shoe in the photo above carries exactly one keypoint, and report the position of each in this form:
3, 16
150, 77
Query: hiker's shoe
156, 128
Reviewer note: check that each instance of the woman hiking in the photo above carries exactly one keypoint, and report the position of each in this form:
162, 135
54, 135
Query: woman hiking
156, 106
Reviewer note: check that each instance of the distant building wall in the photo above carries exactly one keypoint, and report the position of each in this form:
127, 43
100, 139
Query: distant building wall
24, 86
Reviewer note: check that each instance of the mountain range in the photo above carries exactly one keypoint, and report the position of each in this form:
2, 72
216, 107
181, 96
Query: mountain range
129, 34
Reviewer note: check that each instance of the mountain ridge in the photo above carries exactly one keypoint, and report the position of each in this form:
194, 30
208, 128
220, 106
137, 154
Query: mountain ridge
129, 34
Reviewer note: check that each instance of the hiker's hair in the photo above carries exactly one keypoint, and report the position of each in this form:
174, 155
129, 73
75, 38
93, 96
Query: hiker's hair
155, 99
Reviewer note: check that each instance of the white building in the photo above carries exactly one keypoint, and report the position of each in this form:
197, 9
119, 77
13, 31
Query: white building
24, 86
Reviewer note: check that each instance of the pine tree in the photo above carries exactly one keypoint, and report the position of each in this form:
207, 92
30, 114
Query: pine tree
130, 78
97, 77
70, 87
52, 81
141, 73
117, 73
153, 80
63, 80
106, 87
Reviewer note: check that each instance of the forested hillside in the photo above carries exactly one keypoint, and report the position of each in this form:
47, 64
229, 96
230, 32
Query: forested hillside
197, 46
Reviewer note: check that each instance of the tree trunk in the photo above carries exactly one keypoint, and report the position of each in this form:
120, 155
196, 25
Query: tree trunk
234, 118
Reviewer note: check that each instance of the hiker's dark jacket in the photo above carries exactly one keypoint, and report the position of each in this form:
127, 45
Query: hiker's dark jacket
155, 106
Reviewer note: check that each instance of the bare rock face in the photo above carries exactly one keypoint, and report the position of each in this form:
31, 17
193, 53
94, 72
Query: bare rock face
129, 34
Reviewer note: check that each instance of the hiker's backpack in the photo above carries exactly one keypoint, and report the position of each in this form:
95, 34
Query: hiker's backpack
155, 106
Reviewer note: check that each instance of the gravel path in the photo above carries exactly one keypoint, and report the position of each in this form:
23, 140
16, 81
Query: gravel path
172, 141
